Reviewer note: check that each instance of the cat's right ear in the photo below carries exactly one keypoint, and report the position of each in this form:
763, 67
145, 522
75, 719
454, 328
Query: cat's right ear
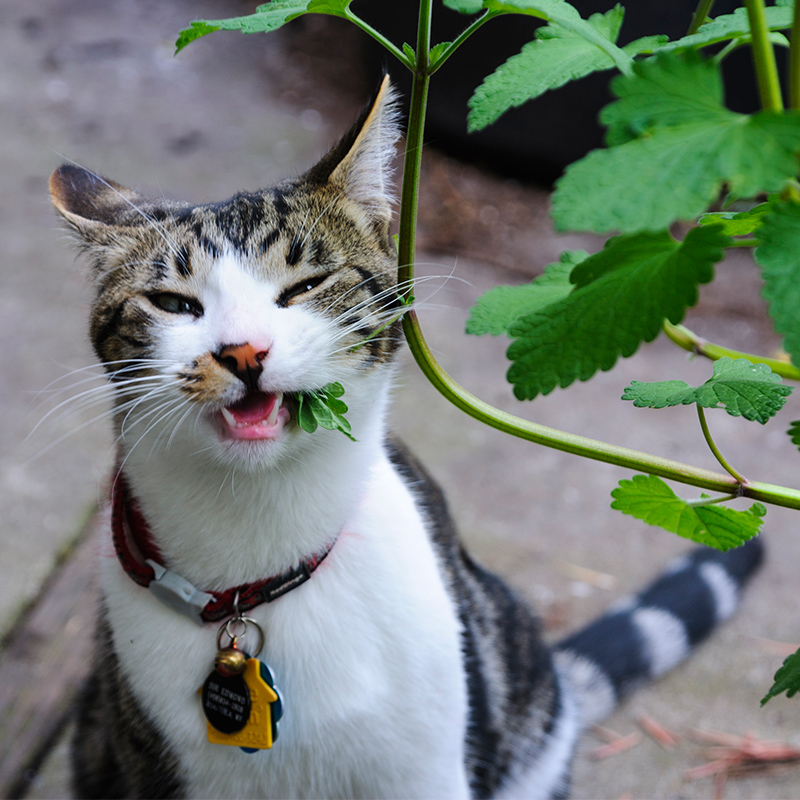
90, 204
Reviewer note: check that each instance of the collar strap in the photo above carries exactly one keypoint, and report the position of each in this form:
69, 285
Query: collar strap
142, 561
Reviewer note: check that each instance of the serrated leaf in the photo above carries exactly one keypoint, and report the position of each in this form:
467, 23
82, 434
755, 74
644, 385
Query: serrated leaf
498, 308
778, 254
437, 51
569, 18
323, 408
742, 223
689, 146
649, 499
794, 432
663, 92
787, 679
742, 388
622, 296
266, 18
555, 57
731, 26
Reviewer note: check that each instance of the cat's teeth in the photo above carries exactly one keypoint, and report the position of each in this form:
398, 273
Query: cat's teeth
268, 422
273, 415
229, 419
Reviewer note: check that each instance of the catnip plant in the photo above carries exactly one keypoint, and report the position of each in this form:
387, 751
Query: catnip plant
673, 150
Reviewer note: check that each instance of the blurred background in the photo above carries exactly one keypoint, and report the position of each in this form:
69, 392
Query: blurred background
96, 82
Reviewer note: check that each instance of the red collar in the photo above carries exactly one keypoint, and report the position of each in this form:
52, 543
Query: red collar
142, 560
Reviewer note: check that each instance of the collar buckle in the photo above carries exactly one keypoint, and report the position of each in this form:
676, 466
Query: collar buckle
178, 594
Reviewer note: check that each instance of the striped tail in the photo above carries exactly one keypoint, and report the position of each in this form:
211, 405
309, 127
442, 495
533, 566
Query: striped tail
643, 637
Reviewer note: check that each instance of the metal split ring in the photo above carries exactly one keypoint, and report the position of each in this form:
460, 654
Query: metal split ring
229, 629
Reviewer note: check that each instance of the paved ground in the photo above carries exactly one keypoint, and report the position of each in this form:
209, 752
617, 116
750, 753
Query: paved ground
96, 83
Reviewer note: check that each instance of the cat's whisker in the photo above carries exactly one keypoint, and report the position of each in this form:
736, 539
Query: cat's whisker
176, 402
86, 399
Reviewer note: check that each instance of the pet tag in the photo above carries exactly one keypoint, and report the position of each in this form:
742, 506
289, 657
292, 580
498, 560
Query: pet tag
226, 699
239, 698
261, 728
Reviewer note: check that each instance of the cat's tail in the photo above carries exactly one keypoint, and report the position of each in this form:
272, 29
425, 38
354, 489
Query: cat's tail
641, 638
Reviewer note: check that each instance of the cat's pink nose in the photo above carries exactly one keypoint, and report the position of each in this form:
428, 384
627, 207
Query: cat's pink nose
243, 360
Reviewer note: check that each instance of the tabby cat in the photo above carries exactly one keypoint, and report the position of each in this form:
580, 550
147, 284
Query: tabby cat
402, 669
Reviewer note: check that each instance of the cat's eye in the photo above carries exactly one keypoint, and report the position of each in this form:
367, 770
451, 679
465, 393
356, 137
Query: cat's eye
300, 288
176, 303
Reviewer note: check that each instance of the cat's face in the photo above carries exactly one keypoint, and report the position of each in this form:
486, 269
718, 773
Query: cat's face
211, 319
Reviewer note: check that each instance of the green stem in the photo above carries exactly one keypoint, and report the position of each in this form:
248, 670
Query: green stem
458, 41
700, 15
794, 60
690, 341
710, 501
580, 445
409, 195
379, 37
764, 57
715, 450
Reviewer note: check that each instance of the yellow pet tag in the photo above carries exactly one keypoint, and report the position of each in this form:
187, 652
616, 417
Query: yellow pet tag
259, 728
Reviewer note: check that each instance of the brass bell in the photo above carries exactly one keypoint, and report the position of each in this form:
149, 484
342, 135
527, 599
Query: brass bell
230, 662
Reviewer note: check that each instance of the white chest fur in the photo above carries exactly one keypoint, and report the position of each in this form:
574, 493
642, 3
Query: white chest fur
366, 654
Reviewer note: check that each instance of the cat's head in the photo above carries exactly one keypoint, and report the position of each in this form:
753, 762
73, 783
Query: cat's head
211, 319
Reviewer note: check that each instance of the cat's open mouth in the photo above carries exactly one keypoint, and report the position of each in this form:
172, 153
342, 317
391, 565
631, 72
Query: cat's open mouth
257, 415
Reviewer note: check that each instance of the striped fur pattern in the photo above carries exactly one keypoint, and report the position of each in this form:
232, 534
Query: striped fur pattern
407, 670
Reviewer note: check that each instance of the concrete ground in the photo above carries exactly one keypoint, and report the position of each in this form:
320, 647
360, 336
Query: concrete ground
96, 83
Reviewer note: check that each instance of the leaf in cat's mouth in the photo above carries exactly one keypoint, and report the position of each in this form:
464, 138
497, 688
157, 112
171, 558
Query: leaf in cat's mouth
256, 416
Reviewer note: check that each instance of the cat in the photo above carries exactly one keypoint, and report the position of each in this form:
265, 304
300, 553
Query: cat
402, 669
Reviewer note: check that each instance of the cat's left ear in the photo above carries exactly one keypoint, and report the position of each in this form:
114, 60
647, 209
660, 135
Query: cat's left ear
92, 205
361, 163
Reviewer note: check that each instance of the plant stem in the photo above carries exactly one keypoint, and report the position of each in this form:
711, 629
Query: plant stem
580, 445
690, 341
459, 40
700, 14
368, 29
715, 450
409, 195
769, 87
794, 60
710, 501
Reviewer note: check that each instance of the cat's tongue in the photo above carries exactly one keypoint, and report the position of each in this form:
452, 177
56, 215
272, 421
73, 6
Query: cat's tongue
256, 416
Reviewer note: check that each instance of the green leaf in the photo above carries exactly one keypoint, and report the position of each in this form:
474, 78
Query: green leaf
794, 432
562, 13
742, 223
663, 92
465, 6
742, 388
787, 679
649, 499
731, 26
779, 256
437, 51
687, 147
266, 18
323, 408
499, 307
622, 296
555, 57
194, 31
